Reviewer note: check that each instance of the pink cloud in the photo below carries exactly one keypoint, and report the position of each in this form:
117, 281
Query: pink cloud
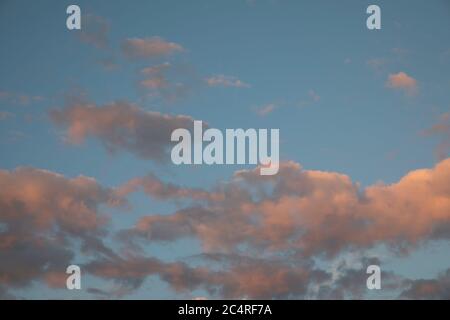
39, 212
317, 211
266, 109
121, 126
137, 48
225, 81
402, 81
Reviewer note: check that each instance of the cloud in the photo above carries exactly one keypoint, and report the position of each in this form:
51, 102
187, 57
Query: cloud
156, 188
266, 109
155, 76
442, 130
166, 81
349, 280
225, 81
402, 81
121, 126
136, 48
312, 213
242, 278
94, 31
429, 289
40, 211
260, 234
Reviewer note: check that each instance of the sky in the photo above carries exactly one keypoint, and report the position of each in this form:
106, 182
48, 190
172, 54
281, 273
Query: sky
86, 176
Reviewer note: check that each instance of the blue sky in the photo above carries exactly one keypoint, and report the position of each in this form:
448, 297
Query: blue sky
315, 62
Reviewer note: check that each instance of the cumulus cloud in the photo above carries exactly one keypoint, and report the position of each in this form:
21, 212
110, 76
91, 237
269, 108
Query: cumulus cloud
312, 212
40, 211
242, 277
137, 48
225, 81
402, 81
429, 289
121, 126
232, 276
261, 235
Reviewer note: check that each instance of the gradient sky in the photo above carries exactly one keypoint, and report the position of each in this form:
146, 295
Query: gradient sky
359, 110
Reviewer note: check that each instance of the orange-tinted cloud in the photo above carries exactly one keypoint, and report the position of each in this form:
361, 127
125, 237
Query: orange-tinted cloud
166, 81
155, 77
289, 219
429, 289
121, 126
313, 212
156, 188
402, 81
40, 211
242, 278
137, 48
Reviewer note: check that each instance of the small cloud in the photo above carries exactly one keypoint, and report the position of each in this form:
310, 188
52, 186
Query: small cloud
226, 81
402, 81
155, 76
348, 61
266, 109
166, 81
136, 48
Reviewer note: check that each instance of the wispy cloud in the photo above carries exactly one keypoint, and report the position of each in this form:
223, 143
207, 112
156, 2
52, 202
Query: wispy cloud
441, 130
225, 81
266, 109
141, 48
